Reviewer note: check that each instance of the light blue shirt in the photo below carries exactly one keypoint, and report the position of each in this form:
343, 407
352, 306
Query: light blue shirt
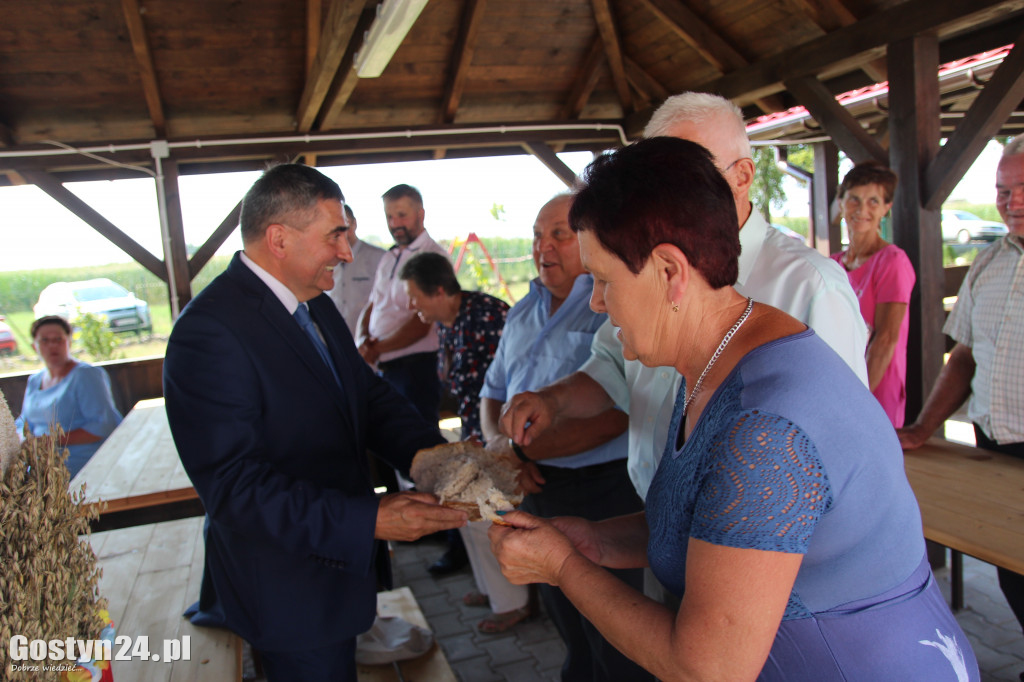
538, 348
81, 400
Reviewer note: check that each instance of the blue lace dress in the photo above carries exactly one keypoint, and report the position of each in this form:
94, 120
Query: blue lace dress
794, 454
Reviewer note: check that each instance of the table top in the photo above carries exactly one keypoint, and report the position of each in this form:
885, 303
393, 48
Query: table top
138, 465
971, 500
150, 575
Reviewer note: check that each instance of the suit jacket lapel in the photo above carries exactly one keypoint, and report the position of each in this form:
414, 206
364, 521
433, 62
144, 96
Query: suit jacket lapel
336, 335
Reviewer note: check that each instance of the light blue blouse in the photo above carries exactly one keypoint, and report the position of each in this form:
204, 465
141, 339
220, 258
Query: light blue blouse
538, 348
82, 400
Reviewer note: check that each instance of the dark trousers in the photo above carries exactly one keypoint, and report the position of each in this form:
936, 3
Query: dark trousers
415, 377
595, 493
1012, 584
336, 663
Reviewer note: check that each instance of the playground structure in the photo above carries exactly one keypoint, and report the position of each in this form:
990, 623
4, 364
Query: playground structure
463, 246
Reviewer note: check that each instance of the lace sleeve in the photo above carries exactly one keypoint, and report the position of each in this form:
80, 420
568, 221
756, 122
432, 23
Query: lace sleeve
764, 487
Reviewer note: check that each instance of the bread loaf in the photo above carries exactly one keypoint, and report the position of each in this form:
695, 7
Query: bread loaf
466, 476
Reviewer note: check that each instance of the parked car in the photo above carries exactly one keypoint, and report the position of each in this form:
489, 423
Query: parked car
102, 297
8, 345
963, 227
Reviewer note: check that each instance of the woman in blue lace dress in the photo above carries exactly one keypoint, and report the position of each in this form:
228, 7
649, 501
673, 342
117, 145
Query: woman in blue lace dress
780, 513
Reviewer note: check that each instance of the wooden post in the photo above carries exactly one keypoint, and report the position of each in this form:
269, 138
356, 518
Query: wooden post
914, 131
827, 238
179, 283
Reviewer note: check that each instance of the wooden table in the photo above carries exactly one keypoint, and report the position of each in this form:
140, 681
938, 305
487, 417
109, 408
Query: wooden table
151, 574
137, 473
432, 666
972, 501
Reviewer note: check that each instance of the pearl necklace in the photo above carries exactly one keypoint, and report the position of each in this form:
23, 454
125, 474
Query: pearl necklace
718, 352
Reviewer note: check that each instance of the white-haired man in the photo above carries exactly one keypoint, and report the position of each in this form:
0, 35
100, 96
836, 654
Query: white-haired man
774, 269
987, 363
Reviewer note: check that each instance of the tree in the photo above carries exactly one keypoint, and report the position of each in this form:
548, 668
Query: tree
766, 191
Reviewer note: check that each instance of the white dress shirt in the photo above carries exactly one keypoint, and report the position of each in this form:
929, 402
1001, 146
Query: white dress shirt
353, 282
773, 269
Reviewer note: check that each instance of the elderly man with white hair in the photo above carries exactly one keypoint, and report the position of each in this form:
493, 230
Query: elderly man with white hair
773, 269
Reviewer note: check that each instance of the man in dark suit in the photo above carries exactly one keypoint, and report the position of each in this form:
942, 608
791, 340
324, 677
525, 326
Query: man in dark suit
272, 410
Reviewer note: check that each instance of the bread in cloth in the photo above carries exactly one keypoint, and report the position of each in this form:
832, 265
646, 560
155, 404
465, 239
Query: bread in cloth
464, 475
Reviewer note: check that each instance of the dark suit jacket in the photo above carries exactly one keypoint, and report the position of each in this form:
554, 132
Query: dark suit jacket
277, 453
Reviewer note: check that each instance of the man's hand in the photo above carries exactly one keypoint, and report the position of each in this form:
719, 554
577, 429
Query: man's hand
582, 535
409, 516
912, 437
526, 416
369, 351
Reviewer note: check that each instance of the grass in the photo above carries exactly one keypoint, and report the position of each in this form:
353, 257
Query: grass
131, 346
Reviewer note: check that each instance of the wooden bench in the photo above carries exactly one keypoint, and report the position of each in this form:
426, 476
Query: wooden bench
972, 501
432, 666
151, 574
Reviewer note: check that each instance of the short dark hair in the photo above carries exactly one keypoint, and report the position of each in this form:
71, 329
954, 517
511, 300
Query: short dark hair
288, 191
870, 173
428, 271
661, 190
399, 191
349, 212
50, 319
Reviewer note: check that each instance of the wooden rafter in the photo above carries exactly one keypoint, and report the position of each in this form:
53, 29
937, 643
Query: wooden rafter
829, 15
347, 79
644, 83
140, 47
613, 51
205, 252
6, 135
840, 124
584, 82
547, 156
705, 41
314, 22
334, 41
869, 35
93, 218
462, 57
1001, 96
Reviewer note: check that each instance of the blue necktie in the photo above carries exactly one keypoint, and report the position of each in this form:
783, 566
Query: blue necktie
301, 315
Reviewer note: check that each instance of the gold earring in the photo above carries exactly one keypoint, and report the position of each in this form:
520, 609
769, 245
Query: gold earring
675, 307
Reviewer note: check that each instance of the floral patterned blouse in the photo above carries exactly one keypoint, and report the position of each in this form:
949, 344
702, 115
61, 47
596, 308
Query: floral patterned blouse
467, 348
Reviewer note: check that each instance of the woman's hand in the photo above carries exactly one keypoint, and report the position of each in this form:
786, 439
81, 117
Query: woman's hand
530, 550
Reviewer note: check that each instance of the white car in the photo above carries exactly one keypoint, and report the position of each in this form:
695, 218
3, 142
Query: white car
103, 297
964, 227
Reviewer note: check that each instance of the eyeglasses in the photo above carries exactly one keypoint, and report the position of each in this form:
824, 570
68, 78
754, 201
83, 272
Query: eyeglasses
726, 169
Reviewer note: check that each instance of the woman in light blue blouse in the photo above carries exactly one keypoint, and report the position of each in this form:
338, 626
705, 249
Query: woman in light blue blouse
68, 393
780, 513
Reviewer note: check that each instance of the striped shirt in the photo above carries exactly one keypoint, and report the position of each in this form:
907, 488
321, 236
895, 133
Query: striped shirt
989, 318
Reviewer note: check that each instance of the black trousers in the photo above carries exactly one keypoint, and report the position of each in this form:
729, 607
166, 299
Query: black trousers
595, 493
1012, 584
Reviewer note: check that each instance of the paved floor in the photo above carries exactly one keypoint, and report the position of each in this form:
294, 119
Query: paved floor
532, 651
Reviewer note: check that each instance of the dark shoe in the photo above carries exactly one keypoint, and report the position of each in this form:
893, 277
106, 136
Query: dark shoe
451, 561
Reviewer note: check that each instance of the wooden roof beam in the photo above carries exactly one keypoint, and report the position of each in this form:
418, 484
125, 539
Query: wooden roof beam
345, 82
6, 135
547, 156
644, 83
854, 45
342, 18
832, 14
93, 218
314, 22
840, 124
205, 252
462, 57
584, 82
613, 50
706, 42
1000, 97
140, 47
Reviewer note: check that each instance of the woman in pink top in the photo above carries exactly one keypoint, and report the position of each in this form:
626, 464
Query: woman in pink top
882, 277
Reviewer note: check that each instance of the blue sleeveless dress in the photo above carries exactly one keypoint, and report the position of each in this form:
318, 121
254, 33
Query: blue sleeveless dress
794, 454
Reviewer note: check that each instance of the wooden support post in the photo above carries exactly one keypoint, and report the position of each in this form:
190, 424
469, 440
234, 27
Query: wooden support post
827, 237
179, 283
914, 131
